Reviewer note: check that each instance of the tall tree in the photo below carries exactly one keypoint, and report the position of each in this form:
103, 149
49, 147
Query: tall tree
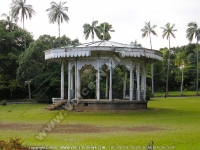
19, 7
57, 13
167, 32
146, 31
181, 61
26, 11
194, 31
10, 22
105, 29
91, 29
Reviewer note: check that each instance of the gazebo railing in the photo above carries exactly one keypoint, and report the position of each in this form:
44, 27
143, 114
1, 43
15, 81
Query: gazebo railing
72, 93
141, 94
117, 94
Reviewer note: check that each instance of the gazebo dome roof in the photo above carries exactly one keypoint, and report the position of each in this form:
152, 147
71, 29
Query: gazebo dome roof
104, 44
86, 49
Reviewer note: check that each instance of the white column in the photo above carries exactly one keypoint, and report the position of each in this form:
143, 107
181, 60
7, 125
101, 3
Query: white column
145, 81
96, 84
131, 84
69, 82
98, 81
78, 84
138, 81
72, 80
106, 86
62, 81
124, 86
110, 90
75, 68
142, 83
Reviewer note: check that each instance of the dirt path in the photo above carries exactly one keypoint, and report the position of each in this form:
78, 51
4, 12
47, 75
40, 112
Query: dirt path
76, 128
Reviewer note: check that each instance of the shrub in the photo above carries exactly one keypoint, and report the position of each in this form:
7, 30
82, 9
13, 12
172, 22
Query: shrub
3, 102
148, 97
148, 93
12, 144
185, 89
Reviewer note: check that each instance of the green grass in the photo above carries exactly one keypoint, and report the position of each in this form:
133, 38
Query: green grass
178, 117
175, 93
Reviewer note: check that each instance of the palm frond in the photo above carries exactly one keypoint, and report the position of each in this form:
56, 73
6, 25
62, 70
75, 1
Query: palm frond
168, 31
26, 10
148, 29
144, 34
192, 31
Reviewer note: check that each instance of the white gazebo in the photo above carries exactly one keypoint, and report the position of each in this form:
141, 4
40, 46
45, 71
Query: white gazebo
109, 54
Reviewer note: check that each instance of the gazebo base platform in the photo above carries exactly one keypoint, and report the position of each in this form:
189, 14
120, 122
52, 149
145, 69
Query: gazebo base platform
94, 105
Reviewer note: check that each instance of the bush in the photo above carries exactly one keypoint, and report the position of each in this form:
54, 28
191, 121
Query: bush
148, 97
185, 89
3, 102
148, 93
12, 144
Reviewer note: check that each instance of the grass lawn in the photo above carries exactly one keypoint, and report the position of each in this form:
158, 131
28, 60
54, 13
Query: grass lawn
175, 93
169, 122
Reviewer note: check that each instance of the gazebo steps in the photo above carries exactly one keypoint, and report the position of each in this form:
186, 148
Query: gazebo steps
56, 105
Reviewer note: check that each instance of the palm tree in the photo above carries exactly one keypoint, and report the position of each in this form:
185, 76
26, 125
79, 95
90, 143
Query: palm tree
181, 61
57, 13
91, 29
167, 32
135, 43
10, 21
105, 28
147, 30
194, 31
20, 7
26, 11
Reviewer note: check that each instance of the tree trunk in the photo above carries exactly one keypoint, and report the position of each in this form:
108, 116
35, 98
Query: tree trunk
182, 84
59, 42
166, 92
59, 29
11, 94
150, 40
152, 71
24, 35
197, 82
29, 90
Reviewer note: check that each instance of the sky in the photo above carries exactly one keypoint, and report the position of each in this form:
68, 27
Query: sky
127, 17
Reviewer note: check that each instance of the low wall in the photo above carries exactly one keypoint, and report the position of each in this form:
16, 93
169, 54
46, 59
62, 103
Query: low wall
113, 105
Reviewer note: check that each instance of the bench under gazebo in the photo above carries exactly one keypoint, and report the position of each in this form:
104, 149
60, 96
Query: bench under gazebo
103, 57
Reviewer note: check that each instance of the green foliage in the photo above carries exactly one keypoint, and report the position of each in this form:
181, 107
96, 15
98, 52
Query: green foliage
135, 43
3, 102
148, 93
11, 46
12, 144
91, 29
105, 28
10, 22
32, 66
184, 54
102, 31
185, 89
